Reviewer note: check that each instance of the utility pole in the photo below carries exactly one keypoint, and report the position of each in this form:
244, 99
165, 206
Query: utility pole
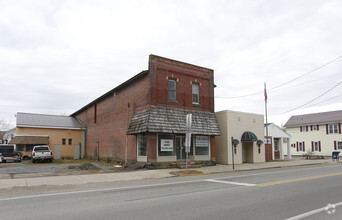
188, 138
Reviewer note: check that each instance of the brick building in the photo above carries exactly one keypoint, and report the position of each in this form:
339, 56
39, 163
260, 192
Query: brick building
143, 119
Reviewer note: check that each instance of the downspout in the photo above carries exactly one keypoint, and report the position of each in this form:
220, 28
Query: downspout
128, 106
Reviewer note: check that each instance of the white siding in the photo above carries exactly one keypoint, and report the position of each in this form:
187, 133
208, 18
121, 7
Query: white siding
327, 140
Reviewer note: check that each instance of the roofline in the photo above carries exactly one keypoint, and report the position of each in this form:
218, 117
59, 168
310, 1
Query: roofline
307, 124
239, 112
201, 67
268, 124
139, 75
29, 113
312, 123
51, 127
30, 135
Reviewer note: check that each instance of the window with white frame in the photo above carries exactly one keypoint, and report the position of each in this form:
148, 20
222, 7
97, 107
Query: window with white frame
303, 129
314, 127
315, 146
300, 146
339, 145
333, 129
195, 93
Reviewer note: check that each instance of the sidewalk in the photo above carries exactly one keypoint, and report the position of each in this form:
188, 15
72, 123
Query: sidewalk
147, 174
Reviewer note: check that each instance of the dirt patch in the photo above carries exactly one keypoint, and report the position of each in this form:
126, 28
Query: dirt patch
186, 172
84, 166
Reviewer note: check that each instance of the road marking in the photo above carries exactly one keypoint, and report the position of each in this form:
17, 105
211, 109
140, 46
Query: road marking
297, 179
316, 211
229, 182
273, 172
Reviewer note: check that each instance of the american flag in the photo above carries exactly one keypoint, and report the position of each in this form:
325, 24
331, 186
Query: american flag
265, 93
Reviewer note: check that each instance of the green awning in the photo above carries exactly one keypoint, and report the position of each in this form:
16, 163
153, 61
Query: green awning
248, 136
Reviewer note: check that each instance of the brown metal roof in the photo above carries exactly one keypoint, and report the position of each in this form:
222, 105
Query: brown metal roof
315, 119
48, 121
172, 120
30, 139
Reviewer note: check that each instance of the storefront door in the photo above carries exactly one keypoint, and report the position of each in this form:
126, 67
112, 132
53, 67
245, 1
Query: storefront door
180, 147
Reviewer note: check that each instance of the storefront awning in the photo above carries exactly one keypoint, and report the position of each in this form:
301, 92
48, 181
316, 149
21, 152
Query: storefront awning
173, 120
30, 139
248, 136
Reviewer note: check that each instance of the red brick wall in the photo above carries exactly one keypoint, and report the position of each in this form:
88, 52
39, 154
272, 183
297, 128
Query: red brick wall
152, 147
113, 116
162, 69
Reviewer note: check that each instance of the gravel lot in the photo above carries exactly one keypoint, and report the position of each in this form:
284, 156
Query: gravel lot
27, 169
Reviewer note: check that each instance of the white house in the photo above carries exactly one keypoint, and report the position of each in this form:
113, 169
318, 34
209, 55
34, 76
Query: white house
319, 133
277, 143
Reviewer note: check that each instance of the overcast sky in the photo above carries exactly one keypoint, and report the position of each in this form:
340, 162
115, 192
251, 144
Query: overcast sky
57, 56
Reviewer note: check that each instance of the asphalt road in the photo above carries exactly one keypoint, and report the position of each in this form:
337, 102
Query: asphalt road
306, 192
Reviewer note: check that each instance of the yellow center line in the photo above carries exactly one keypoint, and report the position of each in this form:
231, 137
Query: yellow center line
297, 179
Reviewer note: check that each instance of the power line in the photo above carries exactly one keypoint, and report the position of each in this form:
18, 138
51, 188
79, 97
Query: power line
310, 101
337, 96
320, 67
305, 74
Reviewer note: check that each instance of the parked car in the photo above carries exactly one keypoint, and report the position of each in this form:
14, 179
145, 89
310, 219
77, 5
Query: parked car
9, 154
41, 153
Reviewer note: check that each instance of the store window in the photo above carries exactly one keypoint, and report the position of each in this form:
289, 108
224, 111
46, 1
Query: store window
166, 145
202, 145
141, 143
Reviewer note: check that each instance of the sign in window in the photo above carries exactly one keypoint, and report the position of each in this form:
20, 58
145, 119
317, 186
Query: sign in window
166, 145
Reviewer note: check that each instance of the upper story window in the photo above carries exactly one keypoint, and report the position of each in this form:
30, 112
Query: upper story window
303, 129
314, 128
195, 94
172, 88
333, 129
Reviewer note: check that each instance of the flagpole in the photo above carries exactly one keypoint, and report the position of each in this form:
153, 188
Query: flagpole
265, 94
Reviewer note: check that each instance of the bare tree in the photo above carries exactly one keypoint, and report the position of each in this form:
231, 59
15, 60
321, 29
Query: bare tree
4, 125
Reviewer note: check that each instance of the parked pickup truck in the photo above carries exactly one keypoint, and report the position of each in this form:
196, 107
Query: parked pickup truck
41, 152
9, 154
